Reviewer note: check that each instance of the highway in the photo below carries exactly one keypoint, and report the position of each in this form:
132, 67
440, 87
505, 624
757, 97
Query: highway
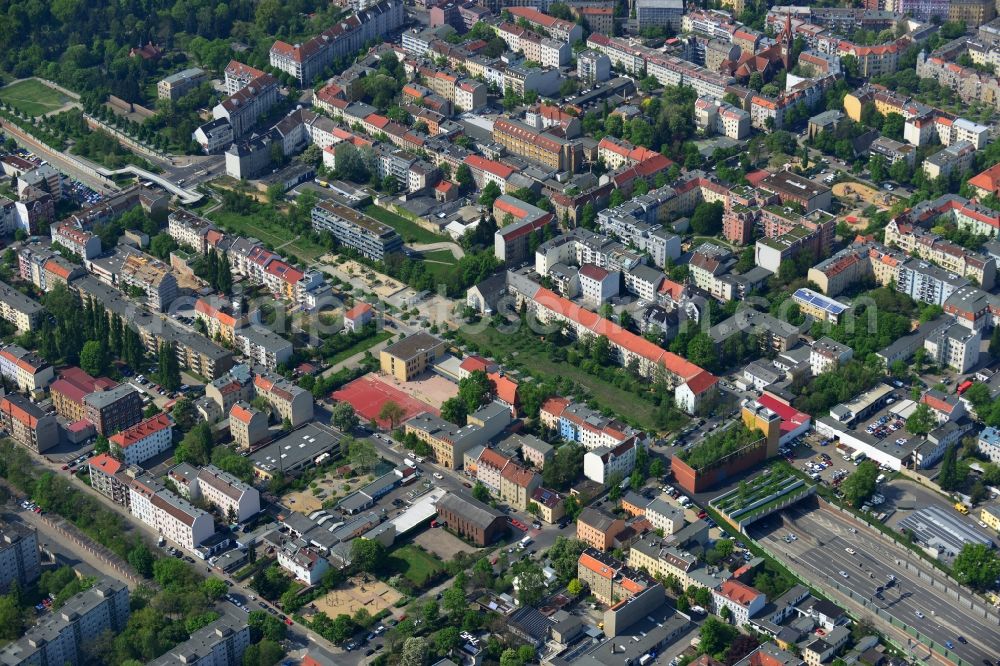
819, 552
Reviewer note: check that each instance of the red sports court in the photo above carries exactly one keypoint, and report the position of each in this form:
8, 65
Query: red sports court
367, 395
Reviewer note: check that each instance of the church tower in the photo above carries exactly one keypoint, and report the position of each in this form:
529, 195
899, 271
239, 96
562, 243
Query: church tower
787, 41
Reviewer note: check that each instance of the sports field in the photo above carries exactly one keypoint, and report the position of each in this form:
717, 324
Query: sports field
33, 97
367, 395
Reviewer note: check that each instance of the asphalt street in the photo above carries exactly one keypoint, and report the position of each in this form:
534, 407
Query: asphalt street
823, 536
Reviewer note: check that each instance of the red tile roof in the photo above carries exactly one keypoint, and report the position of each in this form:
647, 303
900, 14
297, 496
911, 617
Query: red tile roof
105, 464
617, 335
738, 592
240, 414
988, 180
597, 566
506, 387
791, 418
141, 431
358, 310
496, 168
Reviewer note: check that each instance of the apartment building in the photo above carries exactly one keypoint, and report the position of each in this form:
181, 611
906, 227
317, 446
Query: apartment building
973, 308
565, 31
598, 529
27, 424
25, 370
171, 516
68, 391
286, 399
109, 477
608, 579
604, 463
305, 61
954, 346
177, 85
742, 601
190, 230
263, 346
247, 425
45, 268
61, 636
23, 312
715, 116
575, 422
517, 221
826, 355
234, 500
449, 442
235, 386
220, 643
893, 151
19, 557
113, 409
518, 485
303, 561
708, 265
549, 52
357, 231
927, 283
410, 356
914, 240
150, 276
956, 157
219, 316
238, 76
663, 515
659, 14
242, 109
593, 67
789, 186
80, 242
144, 440
537, 145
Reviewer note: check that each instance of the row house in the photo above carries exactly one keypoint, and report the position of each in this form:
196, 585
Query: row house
927, 245
489, 171
305, 61
144, 440
46, 269
537, 146
575, 422
27, 371
970, 84
220, 317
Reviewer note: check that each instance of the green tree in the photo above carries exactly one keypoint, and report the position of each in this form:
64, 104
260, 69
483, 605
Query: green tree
476, 390
184, 414
715, 636
367, 555
860, 485
196, 447
977, 566
141, 560
11, 618
447, 639
948, 477
921, 421
414, 652
392, 412
214, 588
94, 358
481, 492
707, 218
490, 194
574, 587
363, 455
168, 369
463, 176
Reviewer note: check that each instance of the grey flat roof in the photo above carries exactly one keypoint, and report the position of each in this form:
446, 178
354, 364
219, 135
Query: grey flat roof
415, 344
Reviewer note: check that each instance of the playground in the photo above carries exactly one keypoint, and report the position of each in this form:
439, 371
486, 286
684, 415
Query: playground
357, 593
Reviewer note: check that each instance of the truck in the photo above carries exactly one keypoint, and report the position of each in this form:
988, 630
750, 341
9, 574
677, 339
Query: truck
409, 463
964, 386
961, 508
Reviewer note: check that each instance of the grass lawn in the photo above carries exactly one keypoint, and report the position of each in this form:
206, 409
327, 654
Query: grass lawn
360, 346
439, 263
275, 235
535, 360
414, 563
33, 97
410, 231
